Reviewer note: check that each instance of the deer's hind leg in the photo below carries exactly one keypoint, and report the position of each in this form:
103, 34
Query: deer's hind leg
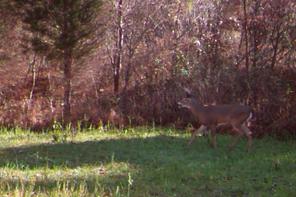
201, 129
213, 136
240, 133
248, 133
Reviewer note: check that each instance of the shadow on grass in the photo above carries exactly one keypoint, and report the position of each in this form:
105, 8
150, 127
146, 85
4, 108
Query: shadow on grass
138, 151
165, 162
146, 154
157, 150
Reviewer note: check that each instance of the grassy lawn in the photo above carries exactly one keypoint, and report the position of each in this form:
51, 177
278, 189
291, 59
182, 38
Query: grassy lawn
143, 162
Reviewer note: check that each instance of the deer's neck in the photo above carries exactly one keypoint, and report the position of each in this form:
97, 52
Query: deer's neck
197, 107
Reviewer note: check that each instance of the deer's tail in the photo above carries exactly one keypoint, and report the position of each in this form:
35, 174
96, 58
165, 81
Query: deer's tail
250, 119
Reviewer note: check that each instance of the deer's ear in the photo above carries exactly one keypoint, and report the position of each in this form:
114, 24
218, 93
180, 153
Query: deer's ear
188, 92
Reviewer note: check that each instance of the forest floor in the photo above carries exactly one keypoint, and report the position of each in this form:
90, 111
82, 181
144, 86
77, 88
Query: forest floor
142, 162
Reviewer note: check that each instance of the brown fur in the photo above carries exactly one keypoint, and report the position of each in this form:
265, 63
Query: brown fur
210, 117
115, 118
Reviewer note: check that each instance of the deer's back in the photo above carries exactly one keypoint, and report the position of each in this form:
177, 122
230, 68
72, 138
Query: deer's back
215, 114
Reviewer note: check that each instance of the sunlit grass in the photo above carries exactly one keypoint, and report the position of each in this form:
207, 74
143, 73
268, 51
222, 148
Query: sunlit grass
142, 162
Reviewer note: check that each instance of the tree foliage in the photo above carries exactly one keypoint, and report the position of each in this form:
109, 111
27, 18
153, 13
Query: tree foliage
227, 51
59, 25
64, 30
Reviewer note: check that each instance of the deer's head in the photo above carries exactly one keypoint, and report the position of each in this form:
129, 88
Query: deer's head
188, 92
186, 103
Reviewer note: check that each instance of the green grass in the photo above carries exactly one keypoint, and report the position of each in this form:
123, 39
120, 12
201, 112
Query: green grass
143, 162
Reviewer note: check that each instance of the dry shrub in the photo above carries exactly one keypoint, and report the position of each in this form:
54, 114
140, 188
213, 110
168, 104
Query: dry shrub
272, 97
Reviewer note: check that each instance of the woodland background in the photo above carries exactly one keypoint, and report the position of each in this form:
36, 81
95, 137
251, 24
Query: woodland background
125, 61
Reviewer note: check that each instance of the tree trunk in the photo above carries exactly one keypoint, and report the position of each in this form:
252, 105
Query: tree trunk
255, 34
68, 59
246, 34
256, 37
247, 54
34, 69
275, 48
117, 56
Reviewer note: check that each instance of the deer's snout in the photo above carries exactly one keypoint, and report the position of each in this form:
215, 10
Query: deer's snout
180, 105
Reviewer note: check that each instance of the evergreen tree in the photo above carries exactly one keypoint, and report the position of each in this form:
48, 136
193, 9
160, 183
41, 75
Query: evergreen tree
63, 30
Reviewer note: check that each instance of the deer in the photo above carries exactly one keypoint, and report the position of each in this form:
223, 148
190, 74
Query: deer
213, 116
115, 118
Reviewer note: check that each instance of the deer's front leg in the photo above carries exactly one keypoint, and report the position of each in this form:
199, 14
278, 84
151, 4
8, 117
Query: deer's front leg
213, 137
248, 133
240, 133
201, 129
